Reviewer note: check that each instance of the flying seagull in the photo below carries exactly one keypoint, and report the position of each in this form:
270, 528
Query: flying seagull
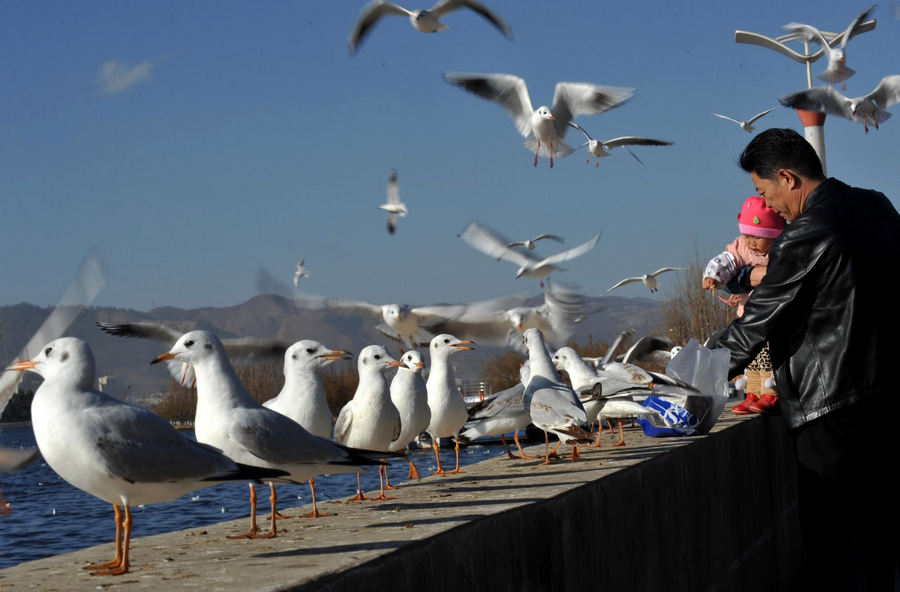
747, 126
599, 149
394, 207
866, 109
649, 279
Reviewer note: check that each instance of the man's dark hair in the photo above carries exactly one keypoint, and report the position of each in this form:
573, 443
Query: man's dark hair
780, 148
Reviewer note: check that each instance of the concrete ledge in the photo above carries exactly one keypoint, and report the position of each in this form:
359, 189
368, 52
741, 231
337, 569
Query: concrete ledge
715, 512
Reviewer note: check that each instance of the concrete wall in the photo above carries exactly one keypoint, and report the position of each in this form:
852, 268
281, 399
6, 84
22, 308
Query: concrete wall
718, 514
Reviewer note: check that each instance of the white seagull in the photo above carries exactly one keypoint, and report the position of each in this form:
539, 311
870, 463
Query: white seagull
230, 419
548, 125
837, 70
448, 409
552, 405
303, 397
122, 454
866, 109
370, 420
747, 126
425, 21
531, 243
301, 272
492, 243
410, 396
600, 148
504, 413
649, 279
394, 207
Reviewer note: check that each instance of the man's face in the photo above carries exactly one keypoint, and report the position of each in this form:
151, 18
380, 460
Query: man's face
780, 193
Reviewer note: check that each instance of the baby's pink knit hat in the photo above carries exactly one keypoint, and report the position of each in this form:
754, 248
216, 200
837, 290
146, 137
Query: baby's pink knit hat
758, 219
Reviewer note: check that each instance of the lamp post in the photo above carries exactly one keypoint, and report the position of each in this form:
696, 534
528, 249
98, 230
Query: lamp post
813, 121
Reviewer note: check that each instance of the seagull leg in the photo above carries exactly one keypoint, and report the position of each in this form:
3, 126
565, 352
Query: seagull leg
536, 152
575, 455
413, 471
276, 513
621, 441
437, 455
118, 558
551, 155
359, 497
273, 500
555, 448
122, 566
457, 469
509, 453
522, 454
381, 480
253, 529
315, 511
597, 443
546, 449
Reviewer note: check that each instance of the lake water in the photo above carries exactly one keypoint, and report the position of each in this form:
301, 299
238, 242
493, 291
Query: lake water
49, 516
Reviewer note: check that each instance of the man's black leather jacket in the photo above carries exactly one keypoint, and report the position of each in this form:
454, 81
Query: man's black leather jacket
827, 304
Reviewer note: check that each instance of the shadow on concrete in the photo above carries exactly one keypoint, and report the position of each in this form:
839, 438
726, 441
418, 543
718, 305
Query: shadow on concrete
416, 522
334, 549
437, 504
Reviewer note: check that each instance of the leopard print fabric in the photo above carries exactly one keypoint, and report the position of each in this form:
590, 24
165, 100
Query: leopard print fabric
762, 362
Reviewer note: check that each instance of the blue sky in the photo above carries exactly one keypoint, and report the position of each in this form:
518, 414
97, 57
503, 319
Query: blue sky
191, 142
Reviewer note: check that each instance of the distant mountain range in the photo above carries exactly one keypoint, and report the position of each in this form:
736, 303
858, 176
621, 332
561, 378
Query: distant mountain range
127, 360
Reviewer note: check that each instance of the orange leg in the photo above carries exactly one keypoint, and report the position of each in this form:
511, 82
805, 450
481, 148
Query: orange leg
551, 155
437, 455
315, 511
457, 469
381, 480
387, 482
621, 441
575, 455
536, 153
509, 453
546, 449
273, 500
253, 528
122, 566
522, 454
555, 448
413, 471
118, 558
359, 497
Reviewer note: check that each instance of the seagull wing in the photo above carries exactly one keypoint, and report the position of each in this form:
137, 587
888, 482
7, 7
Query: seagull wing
729, 118
887, 92
634, 141
581, 129
370, 14
393, 191
14, 459
854, 28
343, 423
758, 115
445, 6
143, 329
626, 281
492, 243
508, 90
549, 236
572, 99
664, 270
572, 253
821, 98
808, 33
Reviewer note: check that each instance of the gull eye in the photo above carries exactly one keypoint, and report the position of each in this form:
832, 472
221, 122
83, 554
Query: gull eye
189, 343
446, 341
47, 351
377, 356
309, 350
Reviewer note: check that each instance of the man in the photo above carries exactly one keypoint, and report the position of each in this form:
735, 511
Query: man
821, 307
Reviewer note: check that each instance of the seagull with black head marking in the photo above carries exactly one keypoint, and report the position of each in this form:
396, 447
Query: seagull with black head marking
122, 454
544, 128
422, 20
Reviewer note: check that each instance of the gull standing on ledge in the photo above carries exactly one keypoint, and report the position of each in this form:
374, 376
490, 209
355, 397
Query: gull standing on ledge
548, 125
649, 279
448, 409
599, 149
230, 419
425, 21
303, 397
122, 454
410, 396
370, 420
747, 126
394, 207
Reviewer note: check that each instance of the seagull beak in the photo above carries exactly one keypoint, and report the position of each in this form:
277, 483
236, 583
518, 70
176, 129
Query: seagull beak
552, 118
22, 365
464, 344
398, 364
163, 358
420, 364
337, 354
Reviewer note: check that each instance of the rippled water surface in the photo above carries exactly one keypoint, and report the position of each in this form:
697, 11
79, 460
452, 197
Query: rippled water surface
49, 516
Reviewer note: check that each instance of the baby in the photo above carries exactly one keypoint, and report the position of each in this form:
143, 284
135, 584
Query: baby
760, 225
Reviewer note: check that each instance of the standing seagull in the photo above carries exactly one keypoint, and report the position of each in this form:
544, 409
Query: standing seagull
425, 21
599, 149
410, 396
503, 414
303, 397
552, 404
548, 125
837, 70
747, 126
866, 109
122, 454
448, 409
301, 272
370, 420
649, 279
394, 207
230, 419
